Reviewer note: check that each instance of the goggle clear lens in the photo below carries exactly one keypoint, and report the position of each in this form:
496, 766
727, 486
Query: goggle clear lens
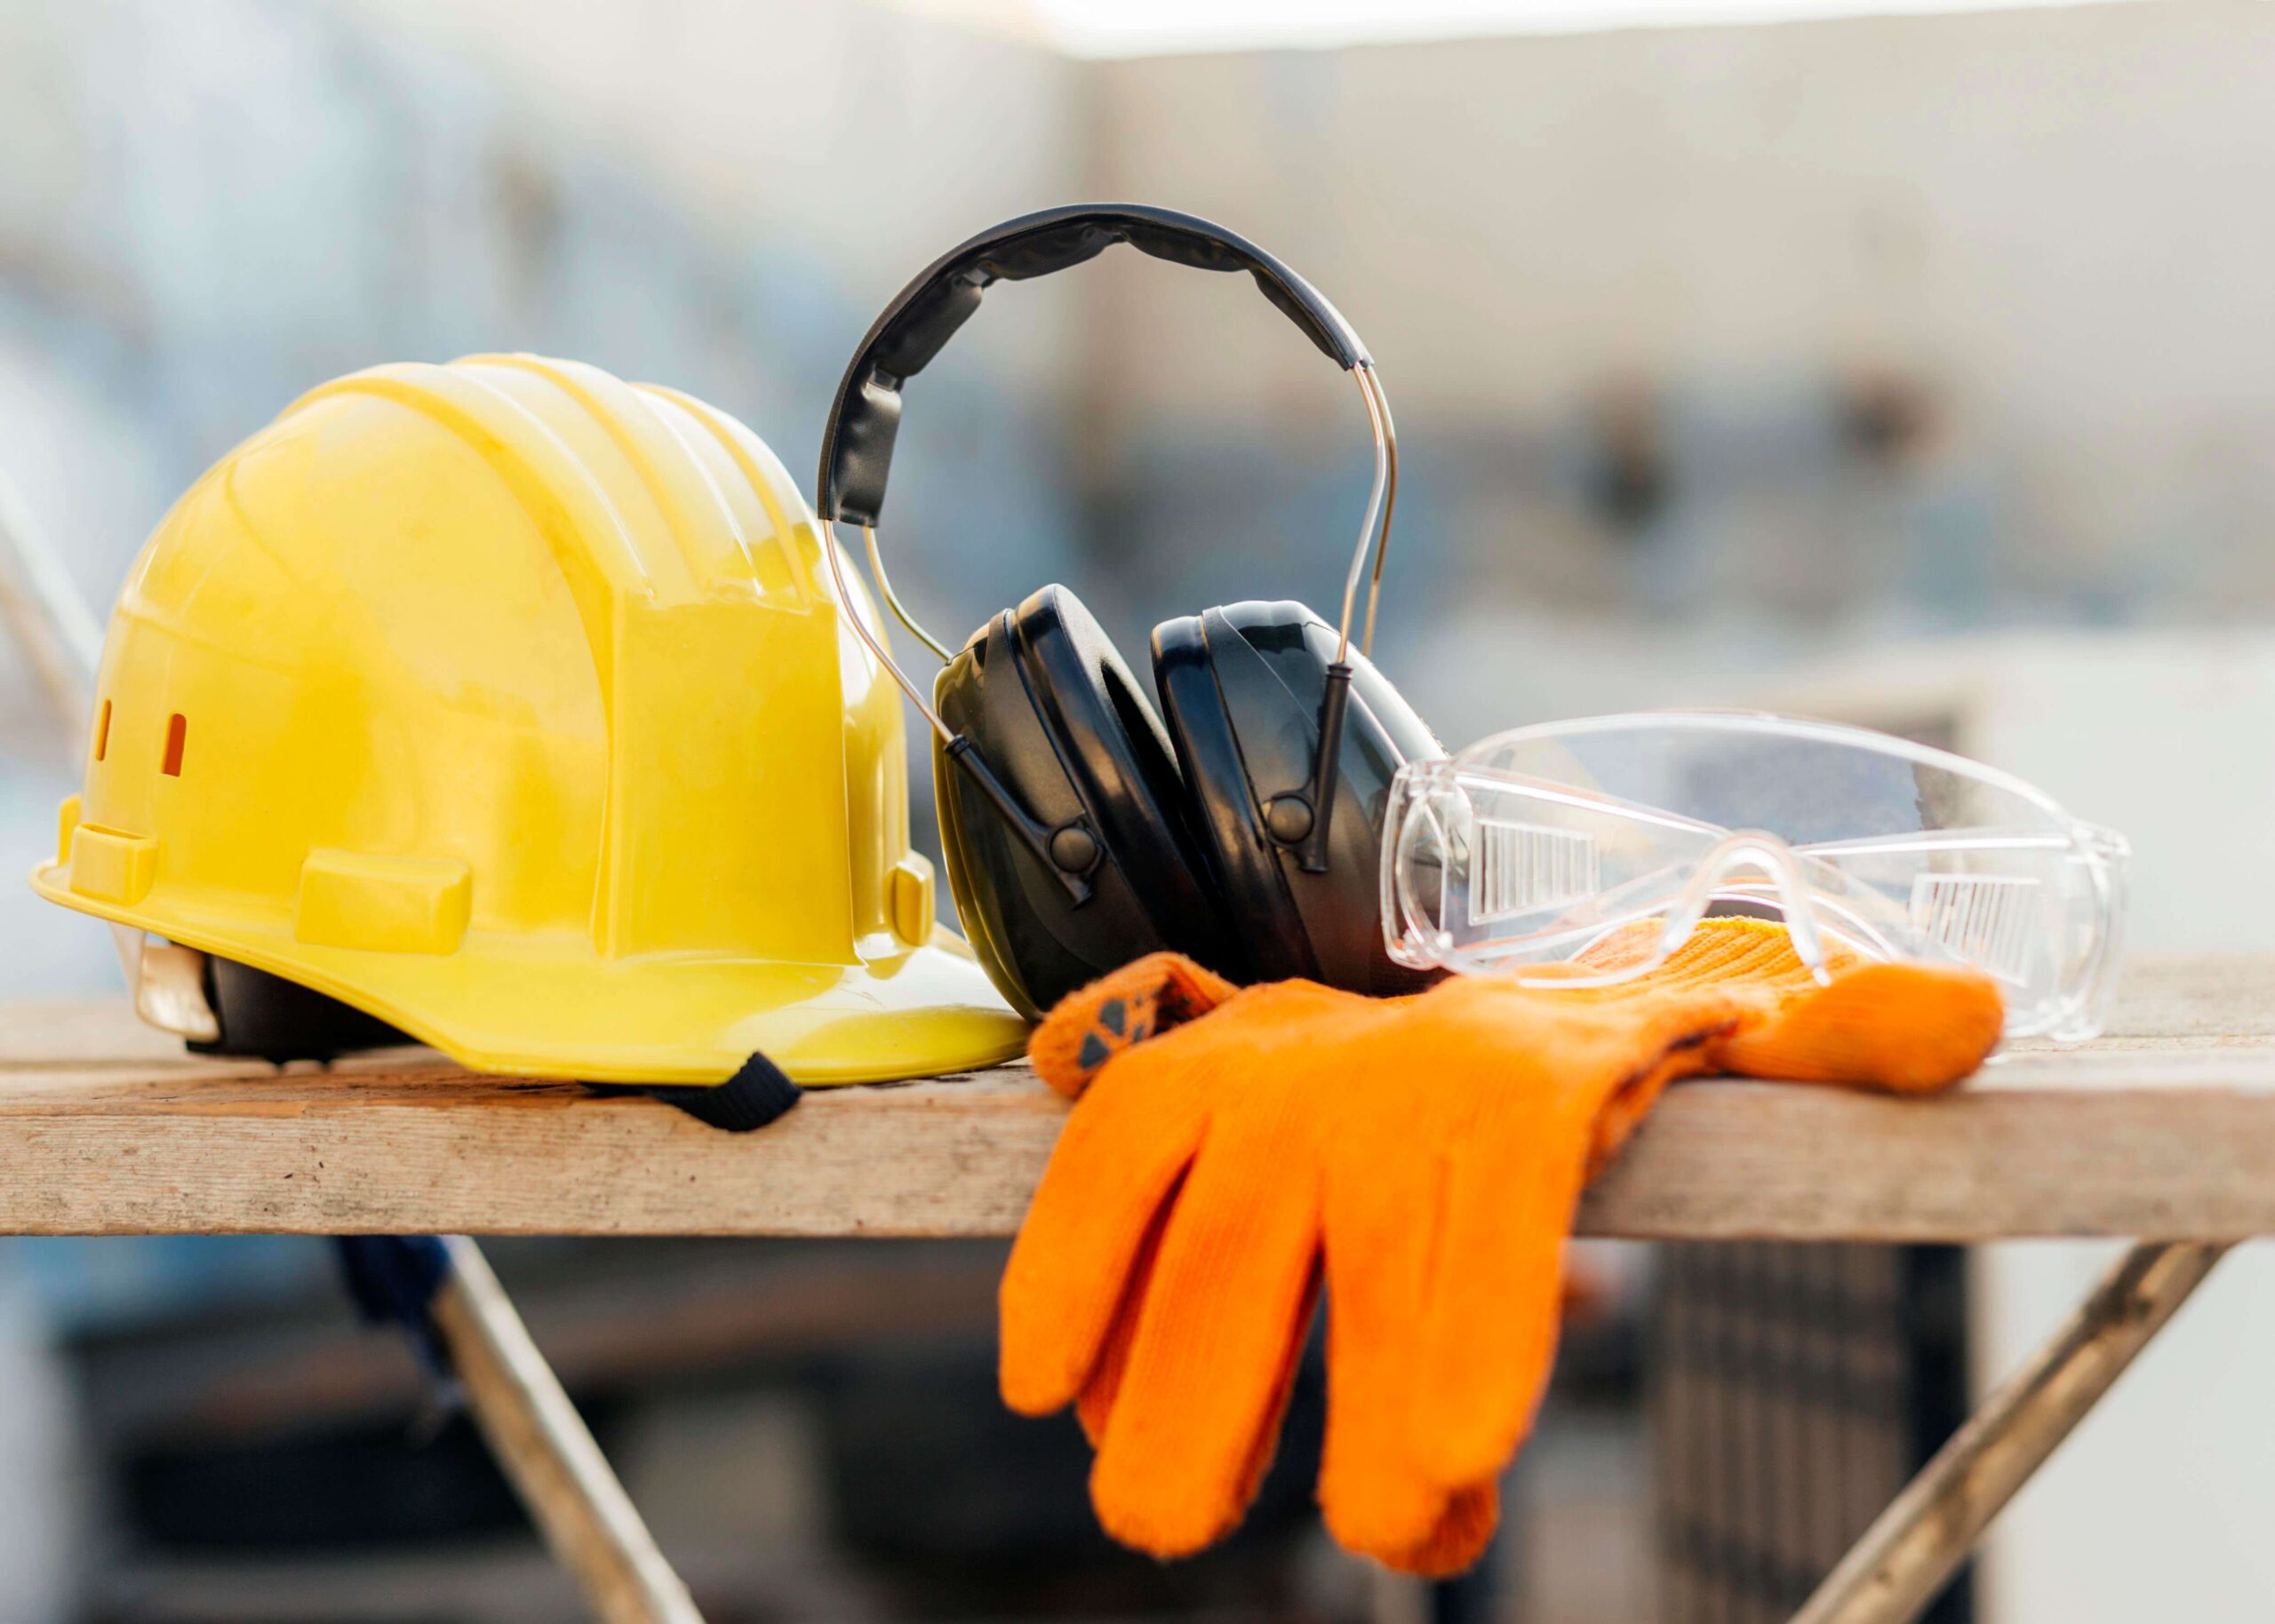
1529, 847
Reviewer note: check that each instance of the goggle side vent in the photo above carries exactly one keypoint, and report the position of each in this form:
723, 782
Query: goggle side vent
1986, 919
1524, 867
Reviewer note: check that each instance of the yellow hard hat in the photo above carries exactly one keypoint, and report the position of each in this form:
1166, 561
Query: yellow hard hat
512, 704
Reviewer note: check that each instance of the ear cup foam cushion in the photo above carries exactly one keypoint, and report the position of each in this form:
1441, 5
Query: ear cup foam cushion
1223, 801
1241, 687
984, 877
1035, 944
1119, 757
1061, 723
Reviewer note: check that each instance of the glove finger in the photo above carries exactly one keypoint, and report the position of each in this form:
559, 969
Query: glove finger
1266, 1442
1095, 1405
1490, 1323
1382, 1216
1095, 1402
1462, 1530
1117, 1163
1914, 1028
1494, 1302
1223, 1318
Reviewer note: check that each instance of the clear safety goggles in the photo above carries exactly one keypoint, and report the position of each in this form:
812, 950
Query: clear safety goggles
1522, 851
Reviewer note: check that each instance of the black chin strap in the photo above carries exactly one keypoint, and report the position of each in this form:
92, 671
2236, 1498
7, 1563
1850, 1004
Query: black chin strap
748, 1101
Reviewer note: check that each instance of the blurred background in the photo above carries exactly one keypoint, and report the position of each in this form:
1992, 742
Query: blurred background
1912, 369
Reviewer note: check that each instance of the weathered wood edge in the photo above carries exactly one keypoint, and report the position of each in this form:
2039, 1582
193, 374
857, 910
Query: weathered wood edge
1718, 1160
2167, 1130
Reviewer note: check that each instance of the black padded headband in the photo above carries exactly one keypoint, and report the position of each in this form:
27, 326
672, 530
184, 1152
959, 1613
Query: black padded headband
856, 442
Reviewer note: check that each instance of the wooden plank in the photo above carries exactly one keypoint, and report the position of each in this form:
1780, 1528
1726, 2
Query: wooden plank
2164, 1129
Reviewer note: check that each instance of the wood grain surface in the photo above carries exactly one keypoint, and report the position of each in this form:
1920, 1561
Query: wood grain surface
2164, 1128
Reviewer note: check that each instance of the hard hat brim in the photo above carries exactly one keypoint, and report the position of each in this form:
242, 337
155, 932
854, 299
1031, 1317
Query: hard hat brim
547, 1006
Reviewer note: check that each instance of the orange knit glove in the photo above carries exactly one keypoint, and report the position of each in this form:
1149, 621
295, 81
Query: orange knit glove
1423, 1158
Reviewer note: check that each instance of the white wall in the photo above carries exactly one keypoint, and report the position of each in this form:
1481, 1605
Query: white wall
2050, 219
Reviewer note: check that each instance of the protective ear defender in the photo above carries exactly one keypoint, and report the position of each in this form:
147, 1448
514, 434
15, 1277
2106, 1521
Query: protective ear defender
1241, 822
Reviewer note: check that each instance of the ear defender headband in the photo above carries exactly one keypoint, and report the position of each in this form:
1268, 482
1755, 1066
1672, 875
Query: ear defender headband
1241, 823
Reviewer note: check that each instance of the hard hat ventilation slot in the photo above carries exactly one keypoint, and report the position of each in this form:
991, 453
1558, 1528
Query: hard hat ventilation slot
102, 730
177, 730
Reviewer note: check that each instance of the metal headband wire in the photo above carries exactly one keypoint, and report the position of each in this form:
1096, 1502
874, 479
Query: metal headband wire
825, 534
1374, 532
892, 599
1380, 501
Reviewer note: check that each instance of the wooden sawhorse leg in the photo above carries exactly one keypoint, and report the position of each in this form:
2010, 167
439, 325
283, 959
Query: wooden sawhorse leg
1903, 1558
542, 1443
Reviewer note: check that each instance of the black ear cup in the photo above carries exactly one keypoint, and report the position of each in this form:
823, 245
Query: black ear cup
1046, 701
1241, 690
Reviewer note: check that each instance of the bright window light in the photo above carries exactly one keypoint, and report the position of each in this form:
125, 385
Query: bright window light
1153, 28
